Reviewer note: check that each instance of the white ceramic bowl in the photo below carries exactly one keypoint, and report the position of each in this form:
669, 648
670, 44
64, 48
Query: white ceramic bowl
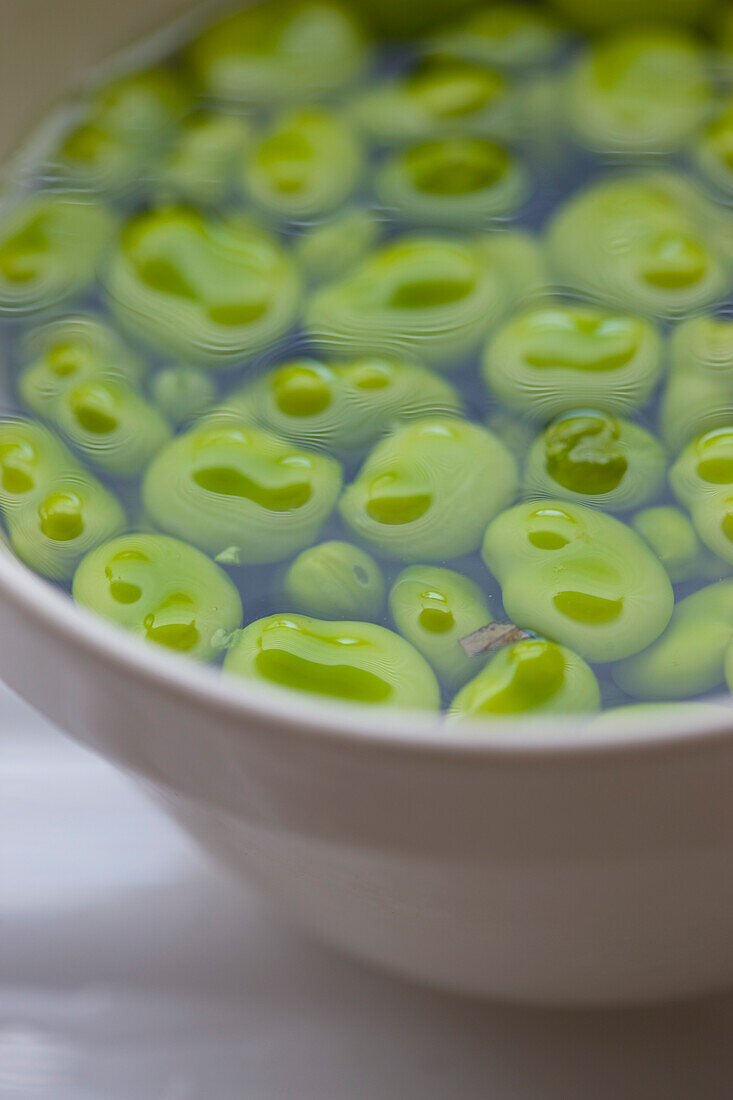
536, 862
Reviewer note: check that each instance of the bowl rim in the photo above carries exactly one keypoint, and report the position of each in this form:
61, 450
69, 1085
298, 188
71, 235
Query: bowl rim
292, 714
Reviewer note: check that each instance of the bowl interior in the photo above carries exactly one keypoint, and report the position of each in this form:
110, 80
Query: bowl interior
42, 52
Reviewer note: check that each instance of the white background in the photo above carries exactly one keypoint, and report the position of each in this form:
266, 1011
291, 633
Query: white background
131, 969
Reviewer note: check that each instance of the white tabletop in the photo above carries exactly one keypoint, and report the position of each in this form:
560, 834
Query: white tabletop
133, 970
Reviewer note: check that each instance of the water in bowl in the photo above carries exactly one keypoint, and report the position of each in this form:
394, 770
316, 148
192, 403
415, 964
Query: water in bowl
399, 373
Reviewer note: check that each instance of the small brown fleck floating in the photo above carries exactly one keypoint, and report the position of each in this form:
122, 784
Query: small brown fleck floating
493, 636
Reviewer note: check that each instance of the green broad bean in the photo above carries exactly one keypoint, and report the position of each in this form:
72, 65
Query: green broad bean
440, 96
529, 677
702, 481
400, 21
306, 164
554, 358
712, 149
210, 289
649, 241
55, 512
201, 164
49, 248
343, 406
335, 580
432, 297
329, 249
30, 457
142, 106
434, 608
594, 458
721, 27
698, 395
162, 590
508, 35
673, 539
111, 424
224, 484
70, 516
543, 118
638, 90
643, 716
105, 150
182, 392
82, 380
427, 491
95, 159
279, 52
520, 258
578, 577
452, 181
353, 662
619, 13
689, 657
59, 356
